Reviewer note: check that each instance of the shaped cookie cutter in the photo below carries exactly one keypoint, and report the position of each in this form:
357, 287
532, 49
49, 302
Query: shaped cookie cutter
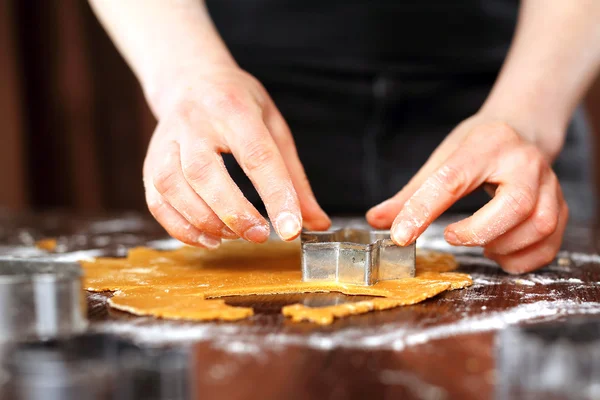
355, 256
41, 299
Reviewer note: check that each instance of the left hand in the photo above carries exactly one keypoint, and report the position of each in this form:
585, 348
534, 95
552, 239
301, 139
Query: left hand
521, 228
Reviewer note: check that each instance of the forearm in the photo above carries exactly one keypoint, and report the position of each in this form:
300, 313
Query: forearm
553, 59
161, 38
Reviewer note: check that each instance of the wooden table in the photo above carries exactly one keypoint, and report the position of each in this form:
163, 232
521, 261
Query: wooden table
440, 349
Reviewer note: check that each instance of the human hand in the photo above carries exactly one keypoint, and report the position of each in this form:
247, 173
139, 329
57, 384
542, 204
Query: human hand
188, 189
521, 228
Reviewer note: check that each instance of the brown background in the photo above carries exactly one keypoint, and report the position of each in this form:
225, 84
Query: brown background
74, 123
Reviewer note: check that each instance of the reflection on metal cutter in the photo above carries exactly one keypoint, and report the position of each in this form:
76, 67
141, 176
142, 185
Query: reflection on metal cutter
41, 300
355, 256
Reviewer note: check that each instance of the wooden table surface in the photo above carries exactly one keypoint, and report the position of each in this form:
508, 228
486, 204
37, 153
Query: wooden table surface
443, 348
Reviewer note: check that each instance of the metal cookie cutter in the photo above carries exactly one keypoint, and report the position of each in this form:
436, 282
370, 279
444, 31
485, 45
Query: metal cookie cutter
355, 256
41, 300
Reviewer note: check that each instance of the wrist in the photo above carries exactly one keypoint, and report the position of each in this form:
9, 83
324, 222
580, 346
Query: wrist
164, 83
544, 128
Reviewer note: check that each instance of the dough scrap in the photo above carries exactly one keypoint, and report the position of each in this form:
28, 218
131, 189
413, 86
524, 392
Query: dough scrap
184, 283
48, 244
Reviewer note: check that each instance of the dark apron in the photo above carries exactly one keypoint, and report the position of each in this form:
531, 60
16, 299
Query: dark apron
370, 88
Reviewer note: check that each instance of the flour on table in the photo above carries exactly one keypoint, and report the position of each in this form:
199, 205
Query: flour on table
249, 339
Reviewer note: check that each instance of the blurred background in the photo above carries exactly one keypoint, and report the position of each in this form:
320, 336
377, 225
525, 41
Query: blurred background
74, 123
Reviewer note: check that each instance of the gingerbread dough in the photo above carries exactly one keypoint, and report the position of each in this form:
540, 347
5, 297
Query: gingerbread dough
183, 283
47, 244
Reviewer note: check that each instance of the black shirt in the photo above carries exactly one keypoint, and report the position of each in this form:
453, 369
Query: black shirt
413, 36
370, 88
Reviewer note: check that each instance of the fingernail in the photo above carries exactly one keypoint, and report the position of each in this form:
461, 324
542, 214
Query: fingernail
209, 241
288, 225
403, 233
228, 233
381, 206
316, 225
370, 213
451, 237
258, 234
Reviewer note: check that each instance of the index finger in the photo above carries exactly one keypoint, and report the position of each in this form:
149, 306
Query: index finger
516, 173
256, 152
314, 218
457, 177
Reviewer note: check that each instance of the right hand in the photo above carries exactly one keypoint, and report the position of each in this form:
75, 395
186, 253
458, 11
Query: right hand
188, 189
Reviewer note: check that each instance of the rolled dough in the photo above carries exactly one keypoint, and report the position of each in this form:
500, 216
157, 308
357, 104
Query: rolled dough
184, 283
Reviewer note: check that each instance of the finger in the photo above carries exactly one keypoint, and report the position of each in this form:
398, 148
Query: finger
459, 175
205, 172
541, 224
255, 151
382, 215
314, 217
518, 177
537, 255
512, 204
169, 181
174, 223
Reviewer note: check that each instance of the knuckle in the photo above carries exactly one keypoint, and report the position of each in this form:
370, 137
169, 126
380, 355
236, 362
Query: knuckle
185, 113
181, 230
536, 165
199, 170
503, 132
257, 156
521, 201
522, 157
452, 180
229, 98
185, 110
418, 209
155, 207
160, 211
494, 135
165, 180
283, 192
526, 160
533, 158
545, 222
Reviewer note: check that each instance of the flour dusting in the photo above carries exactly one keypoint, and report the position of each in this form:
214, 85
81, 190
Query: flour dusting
470, 311
249, 339
546, 280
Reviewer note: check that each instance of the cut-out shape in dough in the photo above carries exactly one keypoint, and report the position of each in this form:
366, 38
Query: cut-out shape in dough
184, 283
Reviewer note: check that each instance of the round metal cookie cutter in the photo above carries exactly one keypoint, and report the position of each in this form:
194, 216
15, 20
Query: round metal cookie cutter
41, 299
